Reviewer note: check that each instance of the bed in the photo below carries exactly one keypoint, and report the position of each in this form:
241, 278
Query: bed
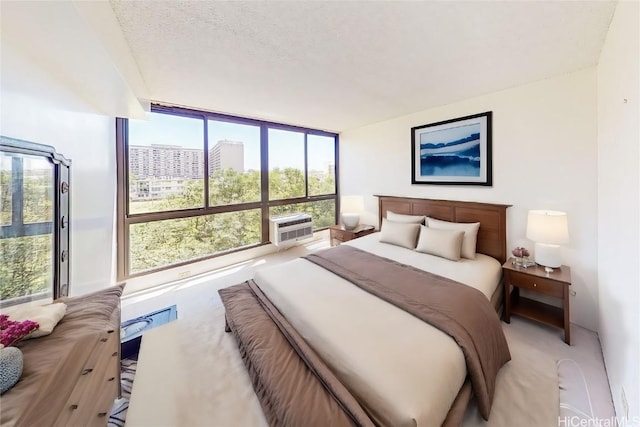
317, 347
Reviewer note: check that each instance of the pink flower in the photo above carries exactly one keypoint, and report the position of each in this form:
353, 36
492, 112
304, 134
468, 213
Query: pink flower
12, 332
520, 252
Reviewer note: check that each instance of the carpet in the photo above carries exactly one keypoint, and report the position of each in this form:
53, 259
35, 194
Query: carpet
120, 406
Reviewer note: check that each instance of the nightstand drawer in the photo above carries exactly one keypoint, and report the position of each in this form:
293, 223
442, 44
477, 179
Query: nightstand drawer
342, 236
537, 284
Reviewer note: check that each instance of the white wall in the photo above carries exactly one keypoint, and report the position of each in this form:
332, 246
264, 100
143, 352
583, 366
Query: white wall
619, 206
62, 85
544, 157
35, 108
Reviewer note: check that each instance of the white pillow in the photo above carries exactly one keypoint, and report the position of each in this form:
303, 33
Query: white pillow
399, 234
47, 316
407, 219
442, 243
470, 234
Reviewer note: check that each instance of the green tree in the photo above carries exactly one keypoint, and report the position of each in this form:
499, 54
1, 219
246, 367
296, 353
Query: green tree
320, 186
26, 266
158, 243
286, 183
5, 197
229, 187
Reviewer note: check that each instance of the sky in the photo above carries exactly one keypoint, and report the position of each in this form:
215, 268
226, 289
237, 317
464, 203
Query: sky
286, 148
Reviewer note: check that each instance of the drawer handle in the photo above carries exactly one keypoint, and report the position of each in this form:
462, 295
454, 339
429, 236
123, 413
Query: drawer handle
73, 407
102, 414
535, 285
115, 353
87, 371
103, 339
111, 379
110, 331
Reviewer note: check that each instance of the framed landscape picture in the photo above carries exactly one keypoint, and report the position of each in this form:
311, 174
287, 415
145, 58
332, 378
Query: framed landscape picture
456, 151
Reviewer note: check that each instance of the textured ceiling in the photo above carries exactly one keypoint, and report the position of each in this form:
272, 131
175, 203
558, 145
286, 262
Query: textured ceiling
338, 65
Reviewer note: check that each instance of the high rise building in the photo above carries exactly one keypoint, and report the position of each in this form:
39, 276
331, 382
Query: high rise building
227, 154
173, 161
166, 161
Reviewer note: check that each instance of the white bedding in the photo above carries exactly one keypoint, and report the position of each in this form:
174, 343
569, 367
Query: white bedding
365, 340
482, 273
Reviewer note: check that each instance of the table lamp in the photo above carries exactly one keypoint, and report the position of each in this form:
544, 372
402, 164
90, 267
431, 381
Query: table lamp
548, 229
351, 206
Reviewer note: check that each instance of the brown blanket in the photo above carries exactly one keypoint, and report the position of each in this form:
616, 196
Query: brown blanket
294, 386
458, 310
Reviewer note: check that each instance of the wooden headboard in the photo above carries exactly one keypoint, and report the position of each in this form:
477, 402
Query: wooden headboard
492, 236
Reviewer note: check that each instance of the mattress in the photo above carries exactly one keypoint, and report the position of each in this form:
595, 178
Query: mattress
364, 339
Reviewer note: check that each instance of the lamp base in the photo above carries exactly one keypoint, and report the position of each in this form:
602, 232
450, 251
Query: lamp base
350, 220
548, 255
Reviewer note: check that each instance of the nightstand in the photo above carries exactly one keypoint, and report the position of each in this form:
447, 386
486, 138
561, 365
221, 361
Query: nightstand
535, 279
339, 233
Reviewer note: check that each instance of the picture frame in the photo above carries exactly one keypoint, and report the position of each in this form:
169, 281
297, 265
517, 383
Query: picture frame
453, 152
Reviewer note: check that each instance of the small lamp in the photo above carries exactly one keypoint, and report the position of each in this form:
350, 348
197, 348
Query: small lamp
548, 229
351, 206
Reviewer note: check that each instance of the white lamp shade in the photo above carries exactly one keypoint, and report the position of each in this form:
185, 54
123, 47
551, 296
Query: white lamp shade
351, 204
548, 227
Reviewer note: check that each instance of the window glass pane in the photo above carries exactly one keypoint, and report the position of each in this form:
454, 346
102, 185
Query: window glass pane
166, 163
323, 212
38, 190
26, 268
26, 240
160, 243
286, 164
321, 164
234, 163
6, 191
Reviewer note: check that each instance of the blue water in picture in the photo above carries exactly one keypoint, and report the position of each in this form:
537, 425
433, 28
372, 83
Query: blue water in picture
458, 167
451, 152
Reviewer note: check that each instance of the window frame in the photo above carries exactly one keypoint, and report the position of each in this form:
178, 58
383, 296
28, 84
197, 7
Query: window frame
125, 219
59, 227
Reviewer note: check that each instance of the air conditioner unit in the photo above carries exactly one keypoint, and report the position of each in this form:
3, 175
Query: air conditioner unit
290, 228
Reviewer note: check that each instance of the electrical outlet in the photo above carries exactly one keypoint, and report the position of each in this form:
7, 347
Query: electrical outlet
625, 404
184, 274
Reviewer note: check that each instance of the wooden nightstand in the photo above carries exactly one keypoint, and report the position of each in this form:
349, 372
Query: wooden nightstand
555, 284
339, 233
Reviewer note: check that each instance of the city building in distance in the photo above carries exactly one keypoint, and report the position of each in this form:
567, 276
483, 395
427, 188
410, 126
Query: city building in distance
159, 170
226, 155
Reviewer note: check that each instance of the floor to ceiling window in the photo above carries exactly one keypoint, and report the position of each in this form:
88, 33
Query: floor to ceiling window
194, 184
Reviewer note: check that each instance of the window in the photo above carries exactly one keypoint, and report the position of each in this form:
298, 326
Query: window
286, 164
234, 163
194, 184
321, 154
166, 164
34, 216
159, 243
